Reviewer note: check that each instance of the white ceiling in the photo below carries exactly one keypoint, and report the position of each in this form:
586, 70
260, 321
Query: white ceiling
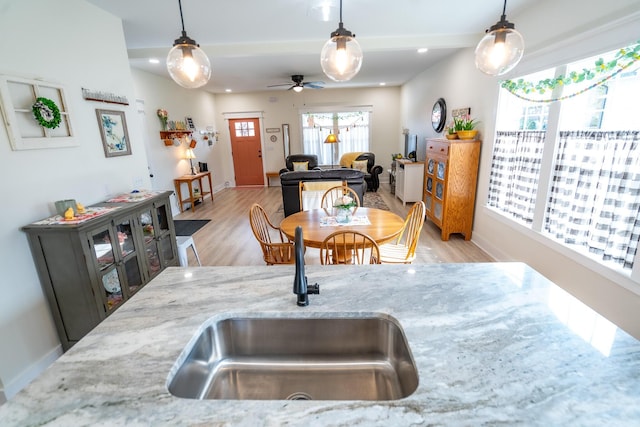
256, 43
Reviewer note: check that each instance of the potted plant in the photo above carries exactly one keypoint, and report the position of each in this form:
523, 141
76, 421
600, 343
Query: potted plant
450, 132
465, 127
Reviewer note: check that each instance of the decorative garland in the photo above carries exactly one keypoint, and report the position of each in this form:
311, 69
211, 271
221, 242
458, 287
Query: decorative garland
624, 58
46, 112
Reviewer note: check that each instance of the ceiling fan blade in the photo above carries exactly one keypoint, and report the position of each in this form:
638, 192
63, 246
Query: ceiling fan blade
282, 84
313, 85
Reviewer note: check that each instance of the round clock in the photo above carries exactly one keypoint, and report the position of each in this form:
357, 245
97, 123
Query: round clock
439, 115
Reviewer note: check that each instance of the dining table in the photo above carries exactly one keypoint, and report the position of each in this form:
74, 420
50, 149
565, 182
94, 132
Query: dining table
381, 225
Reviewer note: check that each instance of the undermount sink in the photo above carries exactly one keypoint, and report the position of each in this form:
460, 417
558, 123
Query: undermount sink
296, 358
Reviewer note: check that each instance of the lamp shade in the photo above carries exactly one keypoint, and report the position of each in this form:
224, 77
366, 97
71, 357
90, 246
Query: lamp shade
331, 139
341, 57
499, 51
189, 154
188, 65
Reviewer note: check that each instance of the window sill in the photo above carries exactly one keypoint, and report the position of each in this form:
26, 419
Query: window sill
617, 275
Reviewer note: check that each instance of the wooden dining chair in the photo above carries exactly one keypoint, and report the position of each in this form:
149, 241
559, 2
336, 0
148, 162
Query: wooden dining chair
267, 234
311, 193
403, 249
329, 197
349, 247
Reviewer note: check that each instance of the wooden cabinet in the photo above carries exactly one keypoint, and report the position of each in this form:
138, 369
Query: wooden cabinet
409, 179
89, 269
450, 179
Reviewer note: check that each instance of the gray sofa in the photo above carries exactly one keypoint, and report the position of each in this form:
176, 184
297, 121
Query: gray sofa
290, 183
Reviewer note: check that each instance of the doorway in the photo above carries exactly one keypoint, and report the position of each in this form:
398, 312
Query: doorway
246, 149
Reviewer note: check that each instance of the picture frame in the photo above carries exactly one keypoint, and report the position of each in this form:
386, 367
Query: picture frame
114, 133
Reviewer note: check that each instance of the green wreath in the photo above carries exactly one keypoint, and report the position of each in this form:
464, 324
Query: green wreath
46, 112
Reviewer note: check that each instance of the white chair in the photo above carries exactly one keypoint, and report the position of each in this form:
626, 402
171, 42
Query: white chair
183, 243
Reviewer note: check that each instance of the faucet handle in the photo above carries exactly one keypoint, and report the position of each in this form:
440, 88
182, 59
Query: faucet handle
313, 289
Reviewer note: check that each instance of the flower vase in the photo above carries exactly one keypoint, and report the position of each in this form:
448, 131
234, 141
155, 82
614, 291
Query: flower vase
343, 215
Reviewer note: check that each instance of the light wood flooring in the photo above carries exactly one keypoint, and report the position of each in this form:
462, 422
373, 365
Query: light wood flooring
227, 239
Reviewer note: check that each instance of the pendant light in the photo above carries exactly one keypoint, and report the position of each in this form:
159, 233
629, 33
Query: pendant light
501, 48
187, 64
341, 56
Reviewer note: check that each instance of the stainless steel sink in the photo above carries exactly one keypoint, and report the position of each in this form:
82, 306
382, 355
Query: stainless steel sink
326, 358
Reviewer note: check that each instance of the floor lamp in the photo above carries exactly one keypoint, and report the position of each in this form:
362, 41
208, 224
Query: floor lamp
332, 139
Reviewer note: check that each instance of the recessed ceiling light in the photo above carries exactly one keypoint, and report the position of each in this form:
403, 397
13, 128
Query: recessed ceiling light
154, 61
228, 90
423, 50
383, 84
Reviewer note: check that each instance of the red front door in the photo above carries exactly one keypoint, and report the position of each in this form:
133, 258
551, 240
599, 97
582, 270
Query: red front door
246, 150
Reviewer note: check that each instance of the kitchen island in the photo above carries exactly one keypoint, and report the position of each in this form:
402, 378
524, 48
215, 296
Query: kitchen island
494, 343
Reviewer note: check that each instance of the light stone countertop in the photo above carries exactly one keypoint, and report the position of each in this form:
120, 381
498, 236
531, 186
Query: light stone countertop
494, 343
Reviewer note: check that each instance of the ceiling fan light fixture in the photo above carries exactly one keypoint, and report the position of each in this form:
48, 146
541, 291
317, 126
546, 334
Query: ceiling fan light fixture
298, 88
501, 49
187, 64
341, 56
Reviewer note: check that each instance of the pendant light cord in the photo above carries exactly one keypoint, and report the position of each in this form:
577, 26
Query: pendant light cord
182, 19
341, 11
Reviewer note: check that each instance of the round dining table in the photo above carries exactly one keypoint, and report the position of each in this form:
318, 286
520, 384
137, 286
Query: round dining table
384, 225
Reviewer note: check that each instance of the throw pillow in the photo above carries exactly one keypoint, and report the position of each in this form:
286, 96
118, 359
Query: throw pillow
361, 165
300, 166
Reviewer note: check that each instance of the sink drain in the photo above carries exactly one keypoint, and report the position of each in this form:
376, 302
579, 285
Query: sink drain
299, 396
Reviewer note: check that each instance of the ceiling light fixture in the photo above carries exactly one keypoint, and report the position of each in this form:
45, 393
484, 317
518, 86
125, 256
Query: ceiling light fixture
187, 64
341, 56
501, 48
298, 87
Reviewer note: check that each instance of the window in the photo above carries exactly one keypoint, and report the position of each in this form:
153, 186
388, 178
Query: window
572, 172
245, 129
352, 127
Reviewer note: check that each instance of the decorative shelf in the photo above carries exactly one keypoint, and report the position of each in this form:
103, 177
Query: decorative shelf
168, 135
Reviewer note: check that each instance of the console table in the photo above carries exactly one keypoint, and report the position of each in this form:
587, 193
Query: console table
199, 195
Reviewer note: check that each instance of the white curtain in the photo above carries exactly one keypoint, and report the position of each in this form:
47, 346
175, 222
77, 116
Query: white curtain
353, 132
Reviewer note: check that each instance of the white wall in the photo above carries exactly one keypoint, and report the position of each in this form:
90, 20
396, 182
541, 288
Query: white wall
284, 107
167, 162
462, 85
79, 46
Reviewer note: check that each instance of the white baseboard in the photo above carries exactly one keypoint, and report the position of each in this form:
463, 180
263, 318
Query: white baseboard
12, 388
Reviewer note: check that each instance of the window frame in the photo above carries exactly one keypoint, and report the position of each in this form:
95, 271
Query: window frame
535, 230
368, 109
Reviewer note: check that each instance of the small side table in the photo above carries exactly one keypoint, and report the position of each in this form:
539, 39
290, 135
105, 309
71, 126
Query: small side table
188, 179
270, 175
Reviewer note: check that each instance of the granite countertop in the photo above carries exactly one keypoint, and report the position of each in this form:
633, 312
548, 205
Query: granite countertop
494, 343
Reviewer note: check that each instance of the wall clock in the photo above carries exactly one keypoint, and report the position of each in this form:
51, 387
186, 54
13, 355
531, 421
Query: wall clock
439, 115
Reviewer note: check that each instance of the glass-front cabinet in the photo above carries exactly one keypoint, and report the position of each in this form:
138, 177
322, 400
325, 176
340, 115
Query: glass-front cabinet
450, 179
434, 187
160, 249
90, 268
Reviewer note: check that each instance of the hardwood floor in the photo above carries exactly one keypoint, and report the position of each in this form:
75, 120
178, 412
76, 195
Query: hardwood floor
228, 240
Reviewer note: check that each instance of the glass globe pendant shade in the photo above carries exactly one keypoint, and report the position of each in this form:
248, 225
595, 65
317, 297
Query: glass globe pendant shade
188, 65
499, 51
341, 57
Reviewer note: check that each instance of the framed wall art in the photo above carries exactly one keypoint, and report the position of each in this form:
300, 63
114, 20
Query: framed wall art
114, 133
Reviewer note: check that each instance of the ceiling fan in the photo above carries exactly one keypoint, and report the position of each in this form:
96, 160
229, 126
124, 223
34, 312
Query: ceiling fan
299, 83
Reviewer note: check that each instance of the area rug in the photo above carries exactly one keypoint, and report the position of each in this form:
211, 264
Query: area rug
374, 200
186, 227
